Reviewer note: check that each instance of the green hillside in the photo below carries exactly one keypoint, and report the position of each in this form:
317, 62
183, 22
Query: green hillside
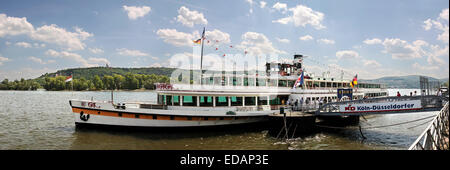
409, 82
90, 73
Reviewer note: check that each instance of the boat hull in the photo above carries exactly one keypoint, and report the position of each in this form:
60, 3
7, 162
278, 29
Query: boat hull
134, 119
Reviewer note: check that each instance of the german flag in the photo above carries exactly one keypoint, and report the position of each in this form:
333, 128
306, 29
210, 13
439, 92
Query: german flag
355, 81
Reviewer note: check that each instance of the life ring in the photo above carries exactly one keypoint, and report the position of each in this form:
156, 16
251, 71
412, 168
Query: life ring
84, 117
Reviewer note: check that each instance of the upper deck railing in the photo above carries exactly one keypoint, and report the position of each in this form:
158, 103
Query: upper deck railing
435, 136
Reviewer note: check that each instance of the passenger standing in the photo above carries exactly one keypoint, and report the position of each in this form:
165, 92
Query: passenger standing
301, 103
295, 104
410, 93
398, 94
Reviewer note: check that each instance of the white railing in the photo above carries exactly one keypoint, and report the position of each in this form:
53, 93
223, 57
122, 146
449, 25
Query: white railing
435, 136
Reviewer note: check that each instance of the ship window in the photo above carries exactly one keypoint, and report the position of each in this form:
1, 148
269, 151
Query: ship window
169, 100
282, 83
262, 100
154, 117
136, 116
251, 81
245, 81
234, 81
275, 101
261, 82
291, 83
236, 101
322, 84
189, 118
176, 101
206, 101
272, 82
221, 101
250, 101
189, 100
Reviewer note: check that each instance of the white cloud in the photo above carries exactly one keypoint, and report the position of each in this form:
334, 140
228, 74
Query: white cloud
325, 41
133, 53
37, 60
371, 63
23, 44
155, 65
302, 16
98, 60
3, 59
96, 50
280, 7
135, 12
190, 18
37, 45
262, 4
444, 14
347, 54
218, 35
434, 54
426, 68
70, 56
400, 49
441, 24
283, 40
428, 24
257, 44
11, 26
372, 41
172, 36
60, 36
251, 5
306, 38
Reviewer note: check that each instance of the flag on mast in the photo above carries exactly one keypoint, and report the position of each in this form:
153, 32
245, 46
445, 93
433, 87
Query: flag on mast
354, 81
69, 78
299, 81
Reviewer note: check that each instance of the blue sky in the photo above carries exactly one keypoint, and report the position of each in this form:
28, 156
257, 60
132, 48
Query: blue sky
368, 38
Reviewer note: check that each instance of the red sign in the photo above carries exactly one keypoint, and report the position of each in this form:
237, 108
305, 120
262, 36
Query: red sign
350, 108
163, 86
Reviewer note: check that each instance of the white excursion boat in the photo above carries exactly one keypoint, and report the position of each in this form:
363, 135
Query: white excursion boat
225, 99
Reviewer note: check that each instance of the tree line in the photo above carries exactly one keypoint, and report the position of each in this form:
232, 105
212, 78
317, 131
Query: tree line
19, 85
128, 81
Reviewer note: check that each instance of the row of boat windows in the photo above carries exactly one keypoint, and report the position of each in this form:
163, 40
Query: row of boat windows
233, 81
216, 101
172, 100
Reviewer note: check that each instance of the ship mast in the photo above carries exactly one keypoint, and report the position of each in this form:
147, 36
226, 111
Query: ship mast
201, 58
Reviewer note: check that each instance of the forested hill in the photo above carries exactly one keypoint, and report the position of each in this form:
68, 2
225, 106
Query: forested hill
90, 73
409, 82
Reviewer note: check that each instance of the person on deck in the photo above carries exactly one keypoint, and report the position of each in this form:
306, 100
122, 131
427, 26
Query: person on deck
398, 94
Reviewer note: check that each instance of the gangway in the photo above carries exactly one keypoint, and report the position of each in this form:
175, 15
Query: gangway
382, 105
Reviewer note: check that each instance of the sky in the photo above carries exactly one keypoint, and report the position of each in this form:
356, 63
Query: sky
370, 38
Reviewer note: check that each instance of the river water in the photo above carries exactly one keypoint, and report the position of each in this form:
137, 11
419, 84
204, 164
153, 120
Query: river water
43, 120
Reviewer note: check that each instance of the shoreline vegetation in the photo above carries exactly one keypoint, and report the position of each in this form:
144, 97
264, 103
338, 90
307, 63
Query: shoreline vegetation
127, 82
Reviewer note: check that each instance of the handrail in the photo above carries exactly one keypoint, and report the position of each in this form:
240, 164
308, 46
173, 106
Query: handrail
427, 102
433, 137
